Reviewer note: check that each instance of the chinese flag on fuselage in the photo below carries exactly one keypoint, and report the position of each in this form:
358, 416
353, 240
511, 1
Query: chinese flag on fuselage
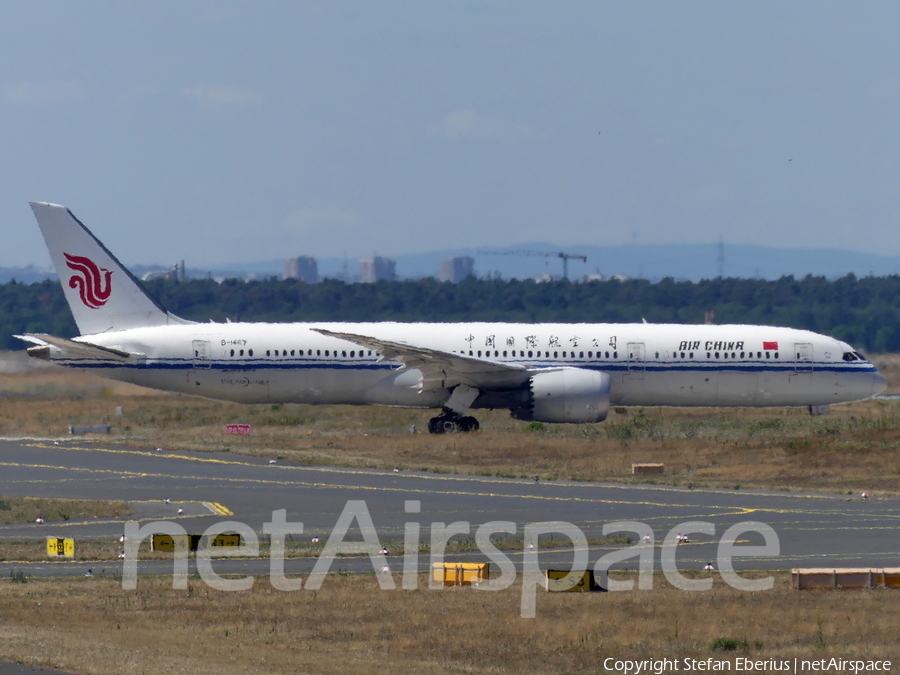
770, 346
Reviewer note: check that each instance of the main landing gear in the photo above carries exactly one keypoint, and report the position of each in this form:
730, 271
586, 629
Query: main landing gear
450, 422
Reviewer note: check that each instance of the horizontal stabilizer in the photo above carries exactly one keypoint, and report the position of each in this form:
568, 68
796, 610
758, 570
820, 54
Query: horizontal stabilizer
73, 349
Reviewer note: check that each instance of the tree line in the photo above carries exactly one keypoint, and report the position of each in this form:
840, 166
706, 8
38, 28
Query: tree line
862, 311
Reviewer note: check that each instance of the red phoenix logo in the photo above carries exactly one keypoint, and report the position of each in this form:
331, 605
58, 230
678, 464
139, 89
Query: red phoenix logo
92, 281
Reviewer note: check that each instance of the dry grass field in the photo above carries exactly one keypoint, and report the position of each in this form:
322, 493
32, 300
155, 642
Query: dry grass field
850, 449
27, 510
92, 626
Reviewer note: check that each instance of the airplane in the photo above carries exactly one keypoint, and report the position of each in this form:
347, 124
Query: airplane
558, 373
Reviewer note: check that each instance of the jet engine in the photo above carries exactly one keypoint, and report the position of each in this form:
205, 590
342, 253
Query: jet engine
566, 395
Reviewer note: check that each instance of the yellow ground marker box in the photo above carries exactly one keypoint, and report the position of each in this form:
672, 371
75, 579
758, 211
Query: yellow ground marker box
845, 577
60, 548
191, 542
460, 574
170, 543
226, 539
564, 581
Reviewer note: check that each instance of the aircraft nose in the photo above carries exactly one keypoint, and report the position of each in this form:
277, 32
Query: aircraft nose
879, 384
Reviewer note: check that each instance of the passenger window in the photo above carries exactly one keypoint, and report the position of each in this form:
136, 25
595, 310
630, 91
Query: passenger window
352, 354
742, 354
250, 352
242, 352
529, 354
232, 352
292, 352
767, 355
328, 353
615, 355
504, 353
580, 355
268, 352
691, 354
344, 352
555, 355
776, 355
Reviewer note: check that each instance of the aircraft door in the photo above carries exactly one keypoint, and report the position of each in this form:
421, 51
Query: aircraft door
636, 361
200, 353
636, 356
803, 355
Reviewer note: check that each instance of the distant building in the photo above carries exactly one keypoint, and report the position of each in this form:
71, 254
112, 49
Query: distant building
456, 269
305, 268
175, 272
377, 269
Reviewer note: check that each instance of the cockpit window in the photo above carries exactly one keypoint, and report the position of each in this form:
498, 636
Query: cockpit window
850, 356
859, 356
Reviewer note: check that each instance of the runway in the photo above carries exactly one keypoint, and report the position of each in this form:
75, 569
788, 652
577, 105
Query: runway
813, 530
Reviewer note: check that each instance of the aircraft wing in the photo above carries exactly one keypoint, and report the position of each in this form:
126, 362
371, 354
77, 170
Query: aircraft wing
441, 369
73, 349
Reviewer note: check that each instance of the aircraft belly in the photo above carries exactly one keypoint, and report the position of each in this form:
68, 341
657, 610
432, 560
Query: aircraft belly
779, 387
312, 386
240, 386
665, 387
836, 387
738, 388
759, 388
323, 385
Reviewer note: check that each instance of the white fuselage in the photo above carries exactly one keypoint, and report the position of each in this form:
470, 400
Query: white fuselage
648, 364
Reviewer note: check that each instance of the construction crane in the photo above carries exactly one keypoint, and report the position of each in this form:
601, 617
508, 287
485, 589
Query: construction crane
565, 257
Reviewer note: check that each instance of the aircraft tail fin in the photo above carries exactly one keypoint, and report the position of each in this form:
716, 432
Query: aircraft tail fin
102, 294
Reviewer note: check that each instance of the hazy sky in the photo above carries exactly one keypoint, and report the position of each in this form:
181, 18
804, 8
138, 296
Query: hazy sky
239, 131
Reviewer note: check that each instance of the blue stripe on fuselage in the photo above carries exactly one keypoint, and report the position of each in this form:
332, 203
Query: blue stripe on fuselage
655, 367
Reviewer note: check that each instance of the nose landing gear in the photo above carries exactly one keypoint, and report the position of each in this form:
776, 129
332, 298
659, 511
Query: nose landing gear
450, 422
